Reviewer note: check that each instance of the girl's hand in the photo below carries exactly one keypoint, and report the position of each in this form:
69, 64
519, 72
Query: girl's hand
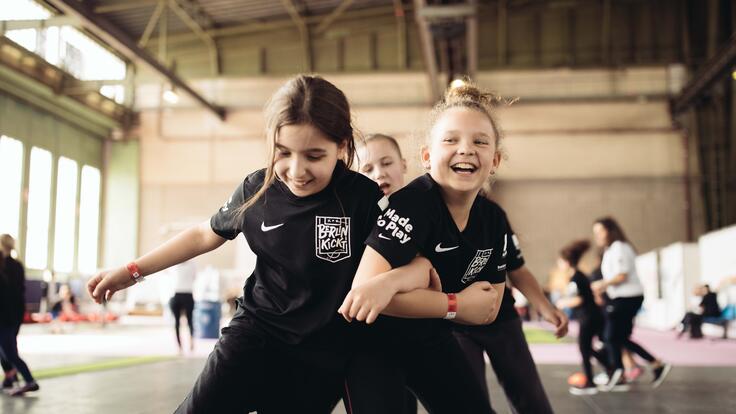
434, 281
366, 301
476, 304
106, 283
557, 318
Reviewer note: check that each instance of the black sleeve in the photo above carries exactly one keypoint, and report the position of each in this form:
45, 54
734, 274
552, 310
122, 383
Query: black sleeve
226, 222
515, 259
401, 229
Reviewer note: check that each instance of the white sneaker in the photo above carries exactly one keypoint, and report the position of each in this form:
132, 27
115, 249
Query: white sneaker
616, 382
600, 379
584, 390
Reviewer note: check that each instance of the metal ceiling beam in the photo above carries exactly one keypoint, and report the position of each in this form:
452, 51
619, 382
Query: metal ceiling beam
198, 22
428, 50
327, 21
6, 25
152, 22
717, 67
254, 27
121, 41
471, 42
123, 6
301, 24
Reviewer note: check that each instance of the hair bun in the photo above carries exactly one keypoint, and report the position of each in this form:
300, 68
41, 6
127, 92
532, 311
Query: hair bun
470, 93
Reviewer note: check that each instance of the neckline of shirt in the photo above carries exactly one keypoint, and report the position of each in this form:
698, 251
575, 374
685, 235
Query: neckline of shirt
436, 188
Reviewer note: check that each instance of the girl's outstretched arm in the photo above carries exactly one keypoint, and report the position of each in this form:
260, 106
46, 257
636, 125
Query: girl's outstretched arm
187, 244
525, 281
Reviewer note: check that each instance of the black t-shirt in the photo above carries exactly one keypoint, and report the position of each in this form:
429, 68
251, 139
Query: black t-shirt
710, 305
417, 221
307, 248
580, 286
12, 292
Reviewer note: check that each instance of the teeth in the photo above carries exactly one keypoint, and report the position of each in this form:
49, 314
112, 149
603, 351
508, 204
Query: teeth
464, 165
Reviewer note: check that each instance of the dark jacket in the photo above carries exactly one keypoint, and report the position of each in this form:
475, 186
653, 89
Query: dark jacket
12, 292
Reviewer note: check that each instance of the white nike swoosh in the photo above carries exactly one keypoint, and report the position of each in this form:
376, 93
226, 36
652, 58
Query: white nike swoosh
439, 249
264, 227
381, 236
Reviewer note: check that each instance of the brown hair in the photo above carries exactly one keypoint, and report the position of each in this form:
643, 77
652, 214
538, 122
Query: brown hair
390, 139
614, 232
305, 100
573, 252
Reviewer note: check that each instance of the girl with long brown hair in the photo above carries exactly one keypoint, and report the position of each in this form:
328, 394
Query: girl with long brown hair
306, 217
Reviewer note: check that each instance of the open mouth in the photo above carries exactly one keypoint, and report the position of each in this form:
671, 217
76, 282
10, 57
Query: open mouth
384, 186
464, 168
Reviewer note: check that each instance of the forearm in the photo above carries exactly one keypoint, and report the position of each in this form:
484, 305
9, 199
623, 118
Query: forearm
523, 280
569, 302
616, 280
190, 243
419, 303
414, 275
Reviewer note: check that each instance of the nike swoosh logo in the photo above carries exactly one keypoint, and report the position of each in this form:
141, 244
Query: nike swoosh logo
439, 249
381, 236
264, 227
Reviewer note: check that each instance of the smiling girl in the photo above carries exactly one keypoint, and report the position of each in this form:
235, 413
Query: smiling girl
441, 216
306, 217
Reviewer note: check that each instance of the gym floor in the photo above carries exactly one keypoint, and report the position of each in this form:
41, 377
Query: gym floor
89, 370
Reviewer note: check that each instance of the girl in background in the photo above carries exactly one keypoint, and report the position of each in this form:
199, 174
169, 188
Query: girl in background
582, 302
626, 295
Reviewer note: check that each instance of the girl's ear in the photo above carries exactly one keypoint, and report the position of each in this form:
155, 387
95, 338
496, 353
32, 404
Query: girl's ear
496, 162
403, 166
424, 156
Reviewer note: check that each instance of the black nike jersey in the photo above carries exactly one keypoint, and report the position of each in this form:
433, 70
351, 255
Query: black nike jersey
307, 248
417, 221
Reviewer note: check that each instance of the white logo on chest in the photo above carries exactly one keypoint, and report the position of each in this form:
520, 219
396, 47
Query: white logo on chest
265, 228
332, 238
439, 249
476, 265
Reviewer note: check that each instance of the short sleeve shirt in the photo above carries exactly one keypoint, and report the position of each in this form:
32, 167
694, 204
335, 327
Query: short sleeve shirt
580, 286
417, 222
307, 248
620, 258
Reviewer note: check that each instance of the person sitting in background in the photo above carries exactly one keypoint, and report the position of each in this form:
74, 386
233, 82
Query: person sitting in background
64, 309
708, 308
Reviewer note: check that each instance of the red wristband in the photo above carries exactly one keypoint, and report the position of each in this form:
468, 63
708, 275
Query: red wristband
451, 306
134, 272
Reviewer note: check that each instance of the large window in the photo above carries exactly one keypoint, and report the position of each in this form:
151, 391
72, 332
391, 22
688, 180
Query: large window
89, 214
39, 204
66, 209
11, 177
64, 46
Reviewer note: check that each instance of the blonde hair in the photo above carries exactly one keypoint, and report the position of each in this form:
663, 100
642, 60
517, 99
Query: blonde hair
469, 96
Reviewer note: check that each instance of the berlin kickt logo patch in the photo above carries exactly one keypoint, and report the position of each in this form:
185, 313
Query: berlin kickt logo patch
332, 238
476, 265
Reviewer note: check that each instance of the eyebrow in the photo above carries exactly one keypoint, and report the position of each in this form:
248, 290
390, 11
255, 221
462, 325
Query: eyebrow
312, 150
476, 134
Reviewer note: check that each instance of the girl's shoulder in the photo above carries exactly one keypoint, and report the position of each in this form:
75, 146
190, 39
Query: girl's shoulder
420, 189
489, 208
